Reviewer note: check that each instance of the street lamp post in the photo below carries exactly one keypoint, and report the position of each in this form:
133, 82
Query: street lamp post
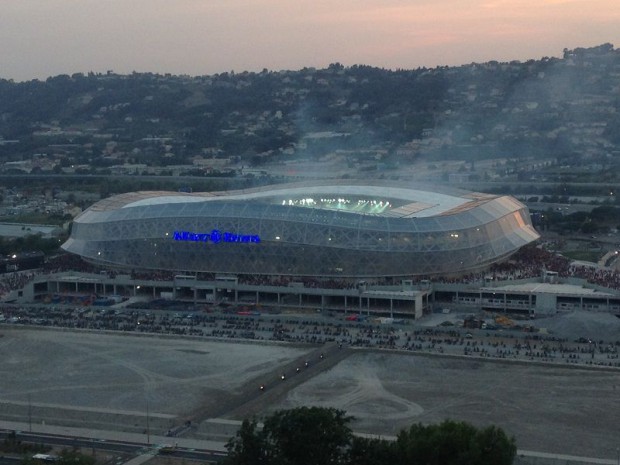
148, 429
29, 414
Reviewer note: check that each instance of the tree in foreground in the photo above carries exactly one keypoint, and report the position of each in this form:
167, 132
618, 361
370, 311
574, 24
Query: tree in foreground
247, 447
301, 436
373, 451
322, 436
455, 443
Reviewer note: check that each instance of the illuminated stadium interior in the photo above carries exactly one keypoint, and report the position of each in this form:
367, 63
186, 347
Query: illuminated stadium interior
358, 205
354, 197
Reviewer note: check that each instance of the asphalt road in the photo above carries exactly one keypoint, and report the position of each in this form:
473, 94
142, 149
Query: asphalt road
127, 449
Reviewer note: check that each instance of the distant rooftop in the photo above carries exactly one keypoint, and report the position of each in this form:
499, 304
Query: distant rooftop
548, 288
22, 230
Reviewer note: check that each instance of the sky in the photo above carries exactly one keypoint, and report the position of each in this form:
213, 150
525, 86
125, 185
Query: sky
42, 38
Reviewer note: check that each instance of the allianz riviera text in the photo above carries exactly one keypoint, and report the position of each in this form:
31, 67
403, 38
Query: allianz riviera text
214, 236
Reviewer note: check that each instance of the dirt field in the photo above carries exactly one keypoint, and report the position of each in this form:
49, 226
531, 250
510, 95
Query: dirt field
559, 410
105, 380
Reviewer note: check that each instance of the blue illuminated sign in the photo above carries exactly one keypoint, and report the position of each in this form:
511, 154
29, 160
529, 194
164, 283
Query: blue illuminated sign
214, 236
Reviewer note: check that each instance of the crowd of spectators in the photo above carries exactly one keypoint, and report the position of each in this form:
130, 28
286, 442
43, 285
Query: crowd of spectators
529, 262
159, 275
306, 281
15, 280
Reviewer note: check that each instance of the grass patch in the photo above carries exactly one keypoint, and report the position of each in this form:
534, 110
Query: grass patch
583, 255
36, 218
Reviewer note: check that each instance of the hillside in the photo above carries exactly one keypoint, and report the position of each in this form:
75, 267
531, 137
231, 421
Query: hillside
537, 118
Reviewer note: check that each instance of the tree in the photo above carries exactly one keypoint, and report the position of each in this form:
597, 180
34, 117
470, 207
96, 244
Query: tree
321, 436
74, 457
491, 446
455, 443
248, 446
301, 436
373, 451
308, 436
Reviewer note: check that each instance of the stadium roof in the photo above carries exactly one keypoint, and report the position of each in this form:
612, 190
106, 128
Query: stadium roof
369, 197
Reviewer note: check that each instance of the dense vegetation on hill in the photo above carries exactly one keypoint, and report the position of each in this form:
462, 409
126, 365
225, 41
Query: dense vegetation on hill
566, 109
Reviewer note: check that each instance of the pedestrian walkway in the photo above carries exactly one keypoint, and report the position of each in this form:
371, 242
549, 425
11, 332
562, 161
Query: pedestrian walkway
562, 459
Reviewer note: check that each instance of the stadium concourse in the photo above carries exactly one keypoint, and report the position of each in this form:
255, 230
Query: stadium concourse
534, 283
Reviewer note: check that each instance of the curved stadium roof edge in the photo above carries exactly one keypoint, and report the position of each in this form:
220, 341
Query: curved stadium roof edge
429, 200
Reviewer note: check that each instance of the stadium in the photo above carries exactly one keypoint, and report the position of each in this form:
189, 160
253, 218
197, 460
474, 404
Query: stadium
353, 229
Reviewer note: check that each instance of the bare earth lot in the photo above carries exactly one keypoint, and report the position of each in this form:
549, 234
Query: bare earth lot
551, 409
104, 380
102, 374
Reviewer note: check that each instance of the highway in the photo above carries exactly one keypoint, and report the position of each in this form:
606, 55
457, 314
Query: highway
127, 448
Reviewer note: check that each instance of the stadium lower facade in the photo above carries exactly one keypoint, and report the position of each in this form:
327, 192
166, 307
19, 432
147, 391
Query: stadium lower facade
356, 229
